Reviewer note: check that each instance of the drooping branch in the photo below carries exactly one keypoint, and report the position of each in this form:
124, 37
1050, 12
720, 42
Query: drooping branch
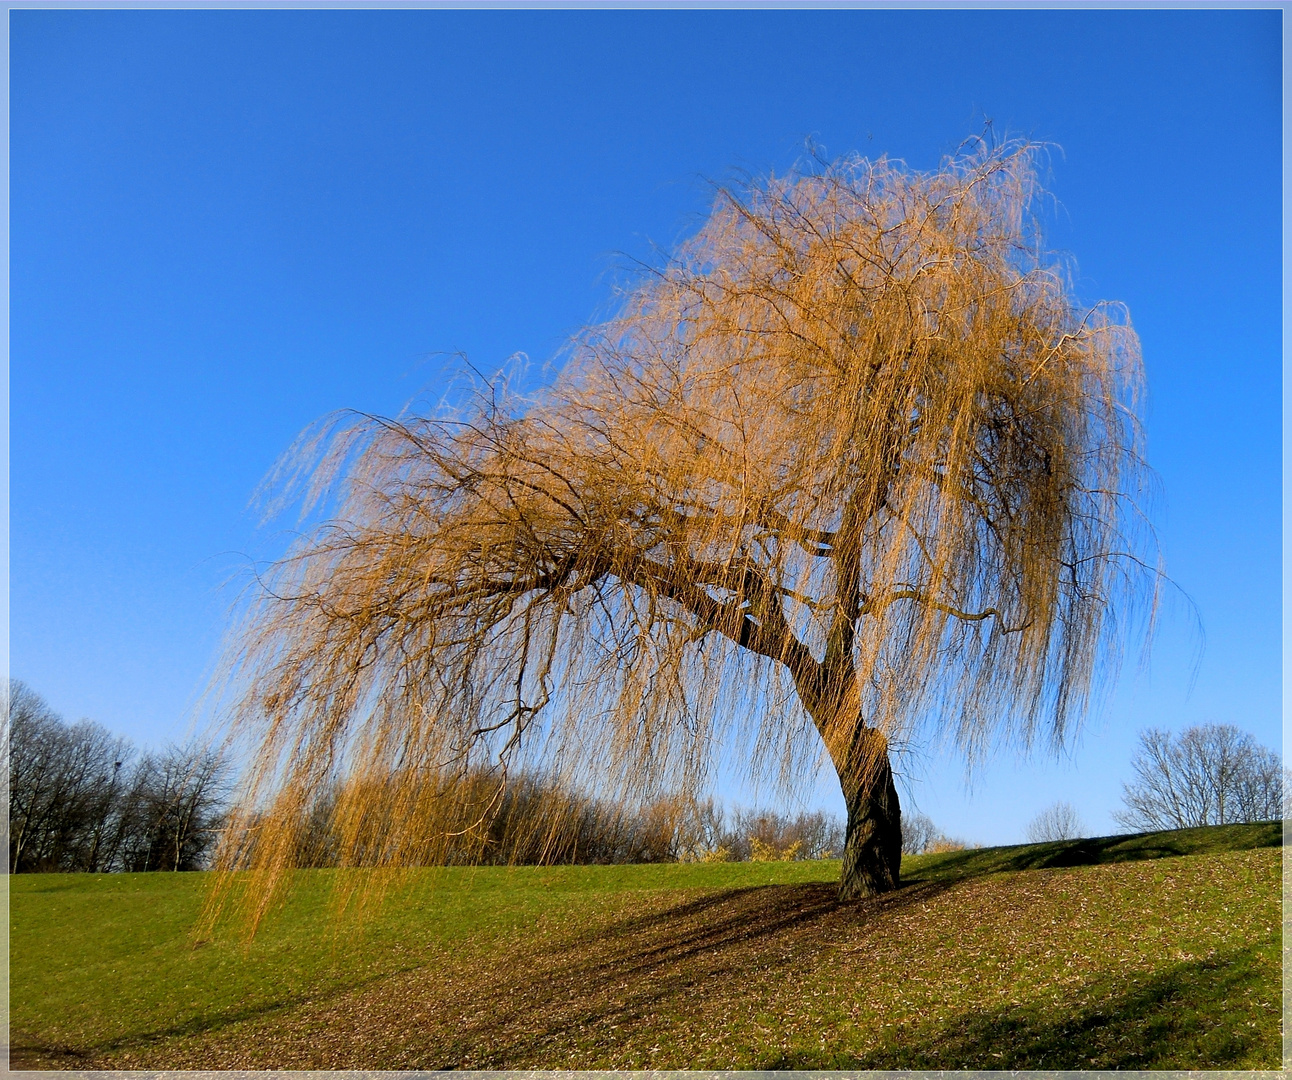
857, 426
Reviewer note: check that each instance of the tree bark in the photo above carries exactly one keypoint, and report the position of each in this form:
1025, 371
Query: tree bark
872, 853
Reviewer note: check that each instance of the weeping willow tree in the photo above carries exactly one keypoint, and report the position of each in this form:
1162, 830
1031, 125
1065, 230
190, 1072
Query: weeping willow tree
851, 466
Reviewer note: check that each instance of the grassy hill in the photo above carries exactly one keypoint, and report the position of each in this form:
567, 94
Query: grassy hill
1152, 951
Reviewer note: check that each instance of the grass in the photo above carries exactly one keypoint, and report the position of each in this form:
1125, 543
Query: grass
1153, 951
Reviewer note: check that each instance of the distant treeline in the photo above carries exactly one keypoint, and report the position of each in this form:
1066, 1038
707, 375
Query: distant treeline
82, 799
535, 821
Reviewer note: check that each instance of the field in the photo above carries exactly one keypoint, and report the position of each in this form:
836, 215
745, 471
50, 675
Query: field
1154, 951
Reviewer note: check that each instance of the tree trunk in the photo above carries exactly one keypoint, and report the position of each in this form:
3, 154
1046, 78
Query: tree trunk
872, 852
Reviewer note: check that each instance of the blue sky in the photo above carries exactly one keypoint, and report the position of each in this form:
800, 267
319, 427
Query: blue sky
225, 224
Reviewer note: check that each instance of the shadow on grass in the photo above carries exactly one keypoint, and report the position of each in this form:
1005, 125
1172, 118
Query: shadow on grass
509, 1013
1186, 1016
653, 965
1208, 840
739, 918
582, 987
26, 1052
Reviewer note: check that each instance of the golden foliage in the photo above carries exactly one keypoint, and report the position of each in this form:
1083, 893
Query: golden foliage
854, 452
760, 851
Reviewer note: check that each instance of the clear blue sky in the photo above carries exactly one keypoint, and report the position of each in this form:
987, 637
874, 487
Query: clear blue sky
225, 224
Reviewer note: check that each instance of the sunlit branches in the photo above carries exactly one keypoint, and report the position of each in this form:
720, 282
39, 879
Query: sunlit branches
853, 454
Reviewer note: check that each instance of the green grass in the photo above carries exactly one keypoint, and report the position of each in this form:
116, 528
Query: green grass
1209, 840
1151, 951
108, 960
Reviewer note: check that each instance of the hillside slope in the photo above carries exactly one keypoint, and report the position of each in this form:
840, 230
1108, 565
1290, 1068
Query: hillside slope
1131, 952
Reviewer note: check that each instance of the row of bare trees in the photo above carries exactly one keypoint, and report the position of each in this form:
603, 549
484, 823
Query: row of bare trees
526, 822
83, 799
533, 820
754, 835
1209, 774
1212, 774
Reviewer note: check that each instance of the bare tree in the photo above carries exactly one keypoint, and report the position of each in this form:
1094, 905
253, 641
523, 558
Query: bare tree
1261, 790
820, 835
63, 787
1212, 774
852, 464
918, 831
34, 738
766, 835
702, 833
1058, 822
174, 809
80, 801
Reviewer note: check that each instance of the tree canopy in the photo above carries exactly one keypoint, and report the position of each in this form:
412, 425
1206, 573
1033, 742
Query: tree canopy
851, 466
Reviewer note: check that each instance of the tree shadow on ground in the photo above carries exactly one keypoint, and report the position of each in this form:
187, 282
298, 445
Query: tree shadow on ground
955, 865
657, 963
572, 996
28, 1052
513, 1011
1153, 1023
602, 975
